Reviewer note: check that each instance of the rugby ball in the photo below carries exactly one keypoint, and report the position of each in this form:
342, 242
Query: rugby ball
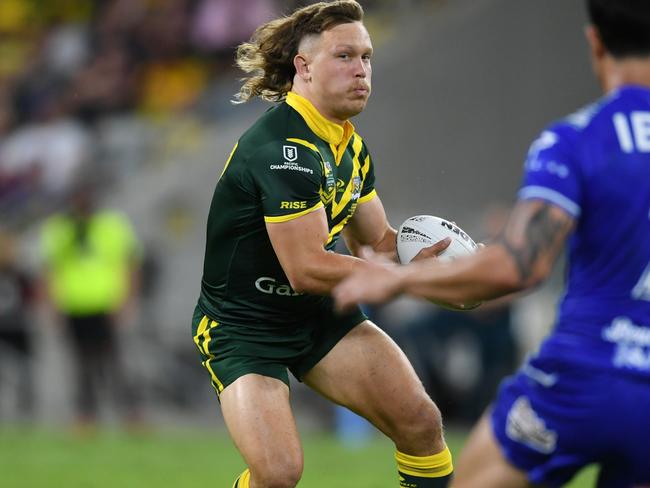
423, 231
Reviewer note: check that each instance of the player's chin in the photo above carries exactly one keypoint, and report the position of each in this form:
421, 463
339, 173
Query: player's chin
356, 106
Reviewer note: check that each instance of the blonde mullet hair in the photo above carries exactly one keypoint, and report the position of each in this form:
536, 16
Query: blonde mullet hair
268, 56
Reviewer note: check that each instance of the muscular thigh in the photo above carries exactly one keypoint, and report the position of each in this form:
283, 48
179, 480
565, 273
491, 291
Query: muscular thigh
368, 373
258, 416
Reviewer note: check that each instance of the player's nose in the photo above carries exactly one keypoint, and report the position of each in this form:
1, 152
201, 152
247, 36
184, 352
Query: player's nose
361, 70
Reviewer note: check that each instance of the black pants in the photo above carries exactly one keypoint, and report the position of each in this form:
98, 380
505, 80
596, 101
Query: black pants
98, 364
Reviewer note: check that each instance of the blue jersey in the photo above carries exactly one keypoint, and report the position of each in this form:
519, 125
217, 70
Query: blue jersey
595, 164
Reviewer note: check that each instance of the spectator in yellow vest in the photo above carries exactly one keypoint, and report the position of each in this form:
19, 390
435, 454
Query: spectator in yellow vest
91, 258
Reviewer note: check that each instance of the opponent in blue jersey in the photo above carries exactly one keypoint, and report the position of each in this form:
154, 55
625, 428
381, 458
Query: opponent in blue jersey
585, 397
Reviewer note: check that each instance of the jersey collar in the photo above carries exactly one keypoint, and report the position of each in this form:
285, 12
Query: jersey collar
319, 125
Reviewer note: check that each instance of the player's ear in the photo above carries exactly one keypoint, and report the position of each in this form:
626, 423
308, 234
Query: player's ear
596, 45
301, 64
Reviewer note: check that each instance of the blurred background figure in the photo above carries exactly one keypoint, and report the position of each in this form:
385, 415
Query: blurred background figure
91, 257
16, 348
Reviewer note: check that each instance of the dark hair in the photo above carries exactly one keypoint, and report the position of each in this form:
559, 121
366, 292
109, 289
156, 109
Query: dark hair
268, 56
623, 25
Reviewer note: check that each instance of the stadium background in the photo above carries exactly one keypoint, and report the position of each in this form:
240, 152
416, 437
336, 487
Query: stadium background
136, 92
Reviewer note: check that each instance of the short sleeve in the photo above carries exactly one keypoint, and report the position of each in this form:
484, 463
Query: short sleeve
288, 177
551, 171
368, 191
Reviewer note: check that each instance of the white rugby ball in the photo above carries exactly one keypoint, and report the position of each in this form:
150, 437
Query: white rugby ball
423, 231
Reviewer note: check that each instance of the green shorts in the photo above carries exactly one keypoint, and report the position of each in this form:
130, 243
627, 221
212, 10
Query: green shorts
229, 350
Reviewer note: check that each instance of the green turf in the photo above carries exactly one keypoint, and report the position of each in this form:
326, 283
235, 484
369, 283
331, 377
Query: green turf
186, 459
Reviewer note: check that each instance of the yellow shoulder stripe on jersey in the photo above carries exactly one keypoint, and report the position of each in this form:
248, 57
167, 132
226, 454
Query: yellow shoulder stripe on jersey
366, 167
368, 197
304, 143
202, 340
229, 158
286, 218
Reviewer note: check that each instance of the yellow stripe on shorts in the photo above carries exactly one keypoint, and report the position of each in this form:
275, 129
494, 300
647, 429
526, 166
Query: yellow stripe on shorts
199, 332
202, 340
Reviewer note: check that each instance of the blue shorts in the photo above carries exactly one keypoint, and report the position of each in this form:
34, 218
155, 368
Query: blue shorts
554, 417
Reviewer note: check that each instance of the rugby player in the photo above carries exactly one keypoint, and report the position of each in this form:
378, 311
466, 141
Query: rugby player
585, 396
296, 181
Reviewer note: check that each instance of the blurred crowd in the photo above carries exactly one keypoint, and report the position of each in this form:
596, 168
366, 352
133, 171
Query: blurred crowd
70, 68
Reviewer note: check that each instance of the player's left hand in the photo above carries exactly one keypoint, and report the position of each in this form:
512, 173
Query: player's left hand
433, 250
377, 282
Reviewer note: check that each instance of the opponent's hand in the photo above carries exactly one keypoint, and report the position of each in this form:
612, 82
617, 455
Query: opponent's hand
377, 282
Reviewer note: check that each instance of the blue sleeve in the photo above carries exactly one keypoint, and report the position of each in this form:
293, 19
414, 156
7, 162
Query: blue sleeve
552, 172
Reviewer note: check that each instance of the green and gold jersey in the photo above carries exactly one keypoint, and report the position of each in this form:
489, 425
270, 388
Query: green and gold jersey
291, 162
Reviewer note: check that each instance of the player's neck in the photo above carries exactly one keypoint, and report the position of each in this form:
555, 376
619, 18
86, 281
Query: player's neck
304, 92
629, 71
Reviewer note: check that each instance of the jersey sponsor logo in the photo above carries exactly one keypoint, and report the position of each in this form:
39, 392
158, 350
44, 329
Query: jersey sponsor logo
270, 286
290, 153
525, 426
632, 344
293, 205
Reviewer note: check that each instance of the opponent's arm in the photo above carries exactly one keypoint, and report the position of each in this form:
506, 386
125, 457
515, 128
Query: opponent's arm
369, 227
522, 257
299, 245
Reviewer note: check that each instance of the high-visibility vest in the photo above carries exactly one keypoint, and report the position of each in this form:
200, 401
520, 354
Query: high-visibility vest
90, 274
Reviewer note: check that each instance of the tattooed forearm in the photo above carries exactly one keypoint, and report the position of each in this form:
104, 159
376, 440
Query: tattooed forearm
535, 235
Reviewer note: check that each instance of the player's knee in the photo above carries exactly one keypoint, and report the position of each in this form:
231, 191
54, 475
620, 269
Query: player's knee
283, 474
420, 428
426, 421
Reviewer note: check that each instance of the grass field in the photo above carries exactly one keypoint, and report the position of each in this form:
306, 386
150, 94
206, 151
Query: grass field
37, 459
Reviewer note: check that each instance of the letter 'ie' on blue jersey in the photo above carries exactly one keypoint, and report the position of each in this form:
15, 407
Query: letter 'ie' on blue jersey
595, 164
